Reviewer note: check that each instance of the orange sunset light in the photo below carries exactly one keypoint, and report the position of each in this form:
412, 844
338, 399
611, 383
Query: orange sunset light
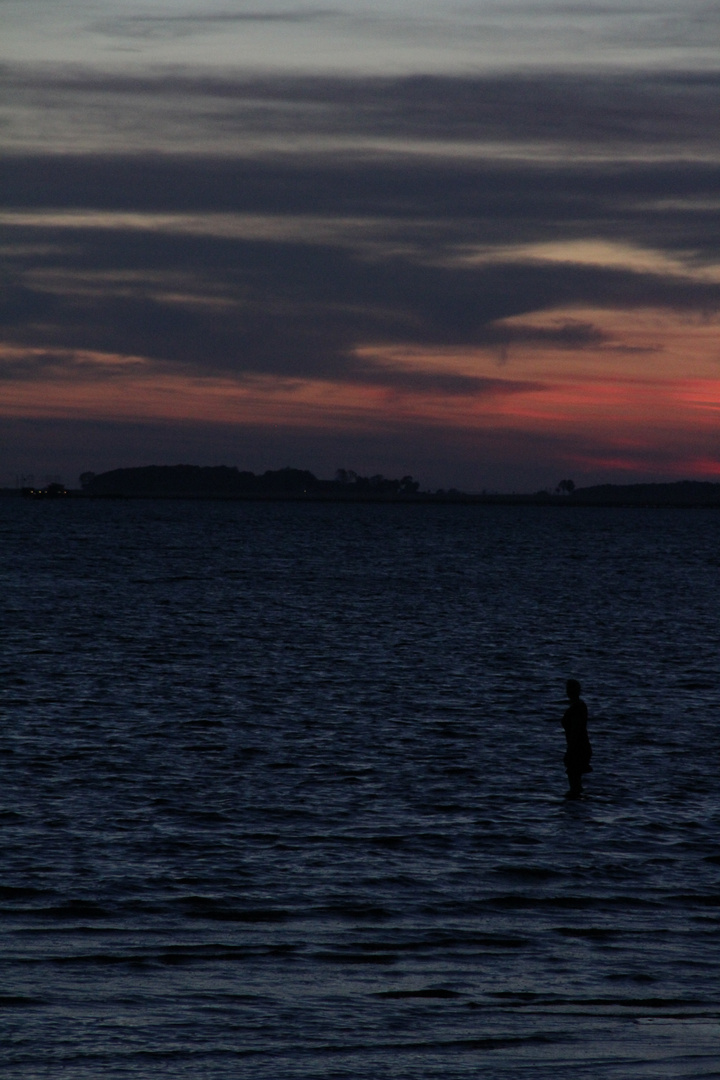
651, 374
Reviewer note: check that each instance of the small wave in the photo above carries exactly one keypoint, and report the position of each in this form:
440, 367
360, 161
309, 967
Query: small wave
429, 992
528, 873
354, 910
205, 748
341, 957
74, 909
610, 1000
203, 722
19, 1001
221, 911
591, 933
20, 892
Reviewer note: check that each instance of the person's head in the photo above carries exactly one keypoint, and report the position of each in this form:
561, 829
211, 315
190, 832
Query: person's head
573, 689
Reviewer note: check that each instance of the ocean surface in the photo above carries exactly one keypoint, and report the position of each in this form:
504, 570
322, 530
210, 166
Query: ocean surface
282, 794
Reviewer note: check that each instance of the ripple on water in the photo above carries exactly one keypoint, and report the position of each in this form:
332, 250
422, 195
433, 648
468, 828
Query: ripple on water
282, 792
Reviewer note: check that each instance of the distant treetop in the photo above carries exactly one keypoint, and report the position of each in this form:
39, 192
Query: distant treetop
226, 482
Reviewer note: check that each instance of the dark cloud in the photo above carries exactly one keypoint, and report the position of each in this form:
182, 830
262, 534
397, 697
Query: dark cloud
217, 306
401, 256
154, 26
636, 111
49, 365
434, 383
20, 305
425, 202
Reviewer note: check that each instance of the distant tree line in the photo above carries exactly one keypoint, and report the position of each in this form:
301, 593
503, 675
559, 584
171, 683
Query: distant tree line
226, 482
347, 478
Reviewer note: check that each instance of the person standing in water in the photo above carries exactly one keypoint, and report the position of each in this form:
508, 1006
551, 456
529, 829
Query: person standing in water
579, 750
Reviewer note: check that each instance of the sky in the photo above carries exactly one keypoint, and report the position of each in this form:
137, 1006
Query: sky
475, 242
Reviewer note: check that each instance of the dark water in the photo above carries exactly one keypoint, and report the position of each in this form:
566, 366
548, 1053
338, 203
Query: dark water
281, 792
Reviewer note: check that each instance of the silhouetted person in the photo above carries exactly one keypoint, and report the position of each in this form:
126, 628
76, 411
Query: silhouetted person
579, 750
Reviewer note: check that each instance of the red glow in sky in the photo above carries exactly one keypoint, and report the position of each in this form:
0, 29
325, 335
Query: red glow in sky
218, 244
